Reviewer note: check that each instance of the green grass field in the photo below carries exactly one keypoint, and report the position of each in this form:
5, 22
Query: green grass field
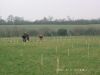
29, 27
18, 30
77, 55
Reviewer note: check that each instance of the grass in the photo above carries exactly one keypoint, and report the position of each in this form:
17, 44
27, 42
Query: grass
18, 30
29, 27
77, 55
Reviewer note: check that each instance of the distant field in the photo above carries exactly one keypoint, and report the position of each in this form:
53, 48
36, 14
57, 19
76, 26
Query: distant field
77, 55
18, 30
47, 26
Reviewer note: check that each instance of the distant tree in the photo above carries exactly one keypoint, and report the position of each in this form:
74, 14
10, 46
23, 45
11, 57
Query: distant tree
78, 31
92, 31
2, 21
47, 21
62, 32
69, 19
18, 20
10, 19
50, 18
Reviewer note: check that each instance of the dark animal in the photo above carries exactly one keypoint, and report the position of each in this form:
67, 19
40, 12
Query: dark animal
25, 37
40, 37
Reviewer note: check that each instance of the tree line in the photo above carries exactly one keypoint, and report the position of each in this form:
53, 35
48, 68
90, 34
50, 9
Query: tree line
16, 20
18, 32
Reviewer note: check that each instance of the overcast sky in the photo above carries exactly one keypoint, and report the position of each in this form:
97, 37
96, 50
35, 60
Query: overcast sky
37, 9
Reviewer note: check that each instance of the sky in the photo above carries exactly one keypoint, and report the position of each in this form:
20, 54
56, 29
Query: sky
37, 9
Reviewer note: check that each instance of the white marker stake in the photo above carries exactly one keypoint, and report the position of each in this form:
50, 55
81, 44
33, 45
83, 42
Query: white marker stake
88, 48
57, 70
88, 51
